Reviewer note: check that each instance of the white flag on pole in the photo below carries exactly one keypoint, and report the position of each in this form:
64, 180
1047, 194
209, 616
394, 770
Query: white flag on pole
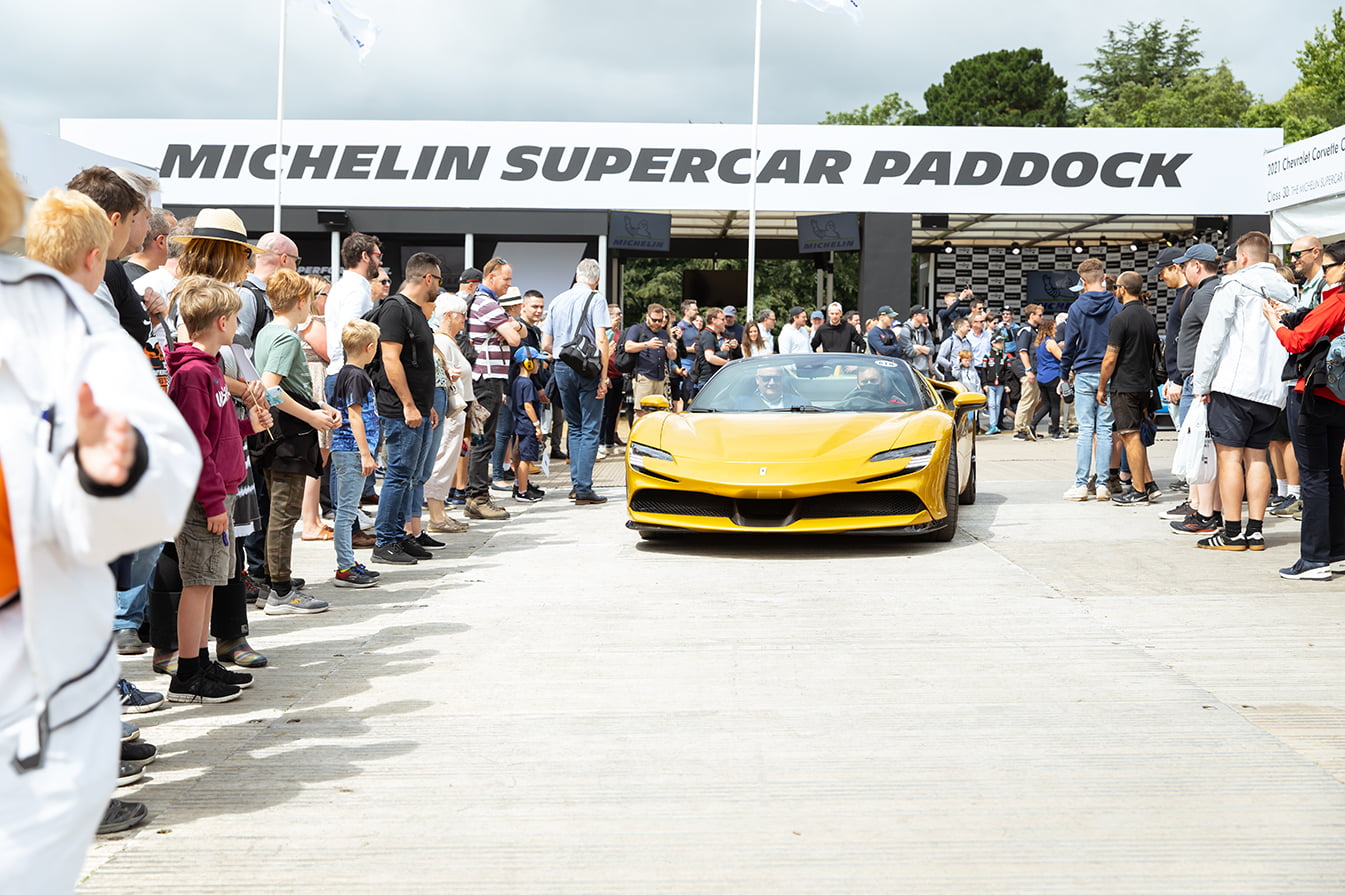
358, 29
849, 7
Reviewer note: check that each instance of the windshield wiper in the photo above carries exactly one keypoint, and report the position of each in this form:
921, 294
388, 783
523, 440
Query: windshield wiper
704, 409
809, 408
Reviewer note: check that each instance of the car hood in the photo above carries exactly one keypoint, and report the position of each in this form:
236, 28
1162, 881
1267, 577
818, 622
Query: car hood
781, 437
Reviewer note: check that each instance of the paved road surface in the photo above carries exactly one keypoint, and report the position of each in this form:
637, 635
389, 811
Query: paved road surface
1067, 698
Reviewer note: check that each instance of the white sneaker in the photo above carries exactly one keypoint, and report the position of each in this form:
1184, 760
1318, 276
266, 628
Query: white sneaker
366, 522
602, 451
1078, 492
1103, 492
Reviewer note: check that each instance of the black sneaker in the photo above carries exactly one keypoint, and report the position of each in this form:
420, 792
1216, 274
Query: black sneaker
1221, 541
1303, 570
122, 816
1116, 486
393, 554
1179, 512
533, 489
1255, 540
429, 543
1196, 524
140, 753
526, 496
414, 550
217, 672
1024, 435
1153, 491
1131, 498
585, 498
201, 689
129, 772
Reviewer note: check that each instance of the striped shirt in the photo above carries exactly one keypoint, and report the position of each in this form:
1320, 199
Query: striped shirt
492, 352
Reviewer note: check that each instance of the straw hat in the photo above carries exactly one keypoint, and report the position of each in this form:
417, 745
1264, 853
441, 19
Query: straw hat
511, 297
221, 224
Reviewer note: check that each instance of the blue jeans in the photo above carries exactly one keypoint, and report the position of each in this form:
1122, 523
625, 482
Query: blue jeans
1094, 419
131, 603
406, 456
329, 389
1188, 395
426, 468
583, 412
347, 486
504, 433
995, 396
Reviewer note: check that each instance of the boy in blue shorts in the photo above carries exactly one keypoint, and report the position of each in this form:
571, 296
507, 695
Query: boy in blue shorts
527, 423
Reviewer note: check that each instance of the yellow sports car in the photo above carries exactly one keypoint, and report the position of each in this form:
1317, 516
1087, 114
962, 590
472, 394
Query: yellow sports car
807, 443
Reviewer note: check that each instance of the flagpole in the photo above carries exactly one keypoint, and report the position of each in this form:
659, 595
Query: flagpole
752, 207
280, 117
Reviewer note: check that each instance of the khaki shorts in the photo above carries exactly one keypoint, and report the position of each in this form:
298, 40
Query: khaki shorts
204, 558
645, 387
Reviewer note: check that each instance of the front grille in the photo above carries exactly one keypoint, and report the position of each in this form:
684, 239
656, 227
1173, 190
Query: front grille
776, 513
680, 503
864, 503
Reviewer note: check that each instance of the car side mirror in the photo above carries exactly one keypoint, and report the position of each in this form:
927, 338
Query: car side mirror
969, 400
654, 402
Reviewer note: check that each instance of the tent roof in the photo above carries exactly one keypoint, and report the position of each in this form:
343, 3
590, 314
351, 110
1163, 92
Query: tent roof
962, 229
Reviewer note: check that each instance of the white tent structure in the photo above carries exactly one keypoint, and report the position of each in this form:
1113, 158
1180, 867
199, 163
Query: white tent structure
1305, 188
41, 161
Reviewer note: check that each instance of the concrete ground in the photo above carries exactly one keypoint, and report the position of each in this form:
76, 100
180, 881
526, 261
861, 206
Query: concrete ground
1066, 698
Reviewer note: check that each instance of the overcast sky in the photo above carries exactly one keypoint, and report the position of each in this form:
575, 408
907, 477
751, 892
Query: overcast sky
568, 60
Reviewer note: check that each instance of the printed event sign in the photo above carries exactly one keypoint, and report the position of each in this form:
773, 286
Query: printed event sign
1309, 169
808, 168
828, 233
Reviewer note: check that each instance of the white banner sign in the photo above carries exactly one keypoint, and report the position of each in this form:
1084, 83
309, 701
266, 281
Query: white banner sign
1306, 170
429, 164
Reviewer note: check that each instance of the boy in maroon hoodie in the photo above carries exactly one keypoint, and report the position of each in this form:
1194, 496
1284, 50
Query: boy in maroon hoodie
209, 311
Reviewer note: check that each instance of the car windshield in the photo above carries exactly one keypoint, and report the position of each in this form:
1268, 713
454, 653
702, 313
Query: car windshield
813, 383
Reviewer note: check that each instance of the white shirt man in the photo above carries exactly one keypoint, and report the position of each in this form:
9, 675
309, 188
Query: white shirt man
795, 338
352, 295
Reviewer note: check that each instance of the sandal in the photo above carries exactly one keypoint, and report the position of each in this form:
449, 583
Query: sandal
237, 652
325, 535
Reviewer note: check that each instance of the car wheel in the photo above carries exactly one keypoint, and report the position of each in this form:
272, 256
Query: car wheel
968, 495
949, 500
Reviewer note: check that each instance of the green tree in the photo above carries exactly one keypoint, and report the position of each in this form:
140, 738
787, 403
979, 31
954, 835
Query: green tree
1148, 55
1202, 98
891, 109
1005, 88
1321, 62
1302, 112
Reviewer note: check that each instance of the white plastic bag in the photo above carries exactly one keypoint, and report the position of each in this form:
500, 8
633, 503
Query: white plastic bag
1195, 459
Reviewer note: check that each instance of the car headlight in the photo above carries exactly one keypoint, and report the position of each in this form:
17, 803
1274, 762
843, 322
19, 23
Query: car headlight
919, 455
641, 452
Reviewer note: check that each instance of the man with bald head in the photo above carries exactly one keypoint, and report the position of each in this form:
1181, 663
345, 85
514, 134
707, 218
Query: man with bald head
1306, 256
278, 251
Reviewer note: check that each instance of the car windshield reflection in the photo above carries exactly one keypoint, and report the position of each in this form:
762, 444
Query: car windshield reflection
840, 383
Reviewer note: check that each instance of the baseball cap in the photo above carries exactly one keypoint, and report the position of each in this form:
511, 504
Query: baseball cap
730, 311
1077, 287
1165, 258
1199, 252
527, 352
887, 309
470, 275
795, 311
818, 315
1231, 253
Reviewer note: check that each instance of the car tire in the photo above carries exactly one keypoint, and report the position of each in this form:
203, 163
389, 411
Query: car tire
950, 499
968, 495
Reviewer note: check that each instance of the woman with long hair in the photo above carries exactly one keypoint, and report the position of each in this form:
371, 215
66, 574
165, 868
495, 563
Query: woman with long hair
1048, 378
753, 344
313, 332
1319, 437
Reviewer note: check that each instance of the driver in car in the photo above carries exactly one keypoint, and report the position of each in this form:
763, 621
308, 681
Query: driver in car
771, 393
871, 387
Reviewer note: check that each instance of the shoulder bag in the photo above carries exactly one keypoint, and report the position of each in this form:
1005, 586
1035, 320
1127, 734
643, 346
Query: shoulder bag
580, 353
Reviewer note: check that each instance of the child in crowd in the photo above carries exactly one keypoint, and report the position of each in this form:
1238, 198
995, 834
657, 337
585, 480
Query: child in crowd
352, 445
527, 423
279, 355
209, 312
966, 374
992, 372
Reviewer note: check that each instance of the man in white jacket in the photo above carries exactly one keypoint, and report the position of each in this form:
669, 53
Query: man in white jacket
95, 462
1238, 372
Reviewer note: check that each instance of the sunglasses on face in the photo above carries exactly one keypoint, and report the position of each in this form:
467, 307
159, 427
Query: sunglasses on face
385, 282
1300, 253
1332, 264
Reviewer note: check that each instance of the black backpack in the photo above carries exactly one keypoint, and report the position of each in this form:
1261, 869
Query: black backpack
375, 367
622, 359
463, 339
263, 314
